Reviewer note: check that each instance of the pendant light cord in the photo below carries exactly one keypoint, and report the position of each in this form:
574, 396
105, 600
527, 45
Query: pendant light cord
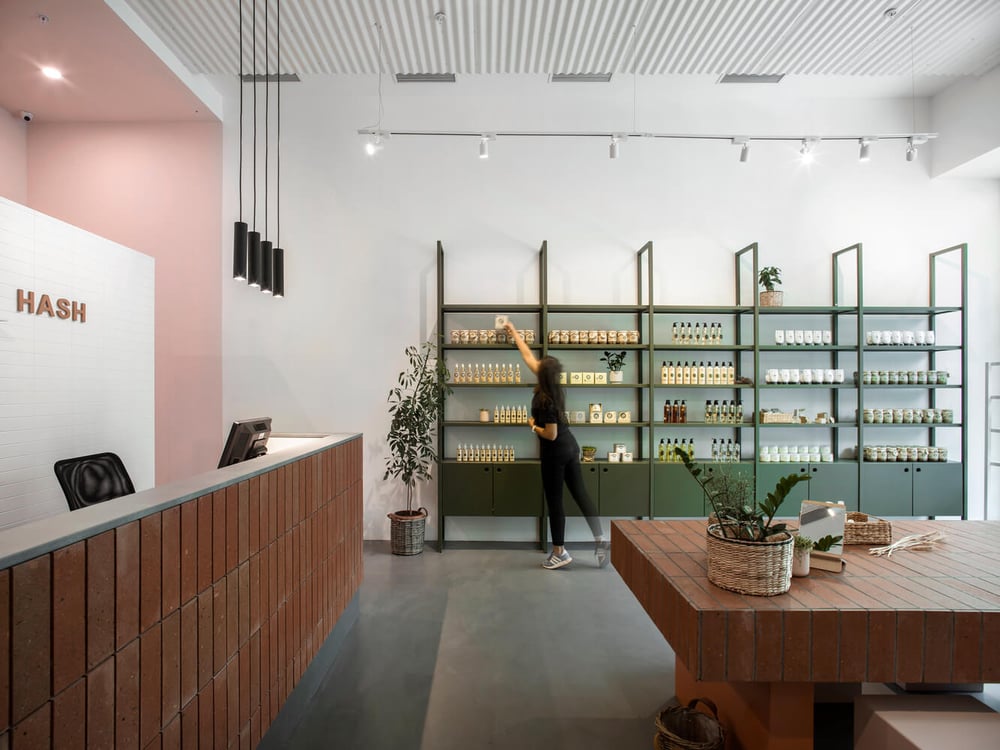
267, 113
254, 53
240, 11
913, 84
278, 138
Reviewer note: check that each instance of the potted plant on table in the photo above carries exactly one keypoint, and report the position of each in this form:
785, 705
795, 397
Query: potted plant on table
616, 361
767, 278
589, 452
800, 557
747, 551
415, 405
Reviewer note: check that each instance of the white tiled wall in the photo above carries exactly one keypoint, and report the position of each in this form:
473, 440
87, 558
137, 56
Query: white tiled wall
69, 388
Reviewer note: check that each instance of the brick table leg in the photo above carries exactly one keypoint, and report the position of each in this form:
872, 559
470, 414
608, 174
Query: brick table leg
756, 715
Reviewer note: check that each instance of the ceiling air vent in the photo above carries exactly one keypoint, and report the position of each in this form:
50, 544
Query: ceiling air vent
425, 77
751, 78
271, 78
581, 77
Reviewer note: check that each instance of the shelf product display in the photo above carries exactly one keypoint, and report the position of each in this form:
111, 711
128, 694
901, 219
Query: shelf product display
784, 363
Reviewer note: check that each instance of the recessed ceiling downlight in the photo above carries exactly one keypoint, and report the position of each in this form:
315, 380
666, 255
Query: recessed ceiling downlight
54, 73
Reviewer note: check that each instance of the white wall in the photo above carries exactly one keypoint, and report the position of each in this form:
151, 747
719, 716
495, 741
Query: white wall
360, 232
70, 388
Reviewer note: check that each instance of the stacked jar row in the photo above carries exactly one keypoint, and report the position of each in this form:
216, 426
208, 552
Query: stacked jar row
904, 453
593, 337
486, 336
908, 416
903, 377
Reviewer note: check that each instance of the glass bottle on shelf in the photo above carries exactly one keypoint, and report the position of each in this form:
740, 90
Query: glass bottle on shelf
517, 374
661, 451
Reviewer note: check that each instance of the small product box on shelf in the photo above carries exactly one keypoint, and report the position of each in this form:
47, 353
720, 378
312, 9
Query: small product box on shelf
562, 378
620, 447
600, 378
614, 457
576, 378
596, 414
627, 457
624, 417
610, 417
587, 378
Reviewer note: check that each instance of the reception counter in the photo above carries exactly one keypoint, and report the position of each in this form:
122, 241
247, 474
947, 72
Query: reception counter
182, 615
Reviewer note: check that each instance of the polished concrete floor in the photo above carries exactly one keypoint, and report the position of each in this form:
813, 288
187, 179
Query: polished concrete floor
482, 648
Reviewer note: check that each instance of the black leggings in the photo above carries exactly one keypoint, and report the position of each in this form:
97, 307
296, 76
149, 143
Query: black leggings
556, 471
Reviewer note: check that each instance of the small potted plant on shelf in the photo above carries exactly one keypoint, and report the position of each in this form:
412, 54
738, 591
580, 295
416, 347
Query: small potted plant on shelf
589, 451
800, 557
616, 361
747, 551
415, 405
767, 278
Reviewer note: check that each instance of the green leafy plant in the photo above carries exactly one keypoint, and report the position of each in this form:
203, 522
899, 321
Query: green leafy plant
589, 448
615, 360
415, 405
803, 542
751, 520
768, 277
825, 543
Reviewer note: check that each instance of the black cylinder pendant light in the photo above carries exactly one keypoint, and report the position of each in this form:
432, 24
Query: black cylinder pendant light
240, 227
278, 255
266, 245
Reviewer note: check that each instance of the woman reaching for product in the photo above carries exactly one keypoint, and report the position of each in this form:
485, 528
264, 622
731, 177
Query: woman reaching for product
560, 456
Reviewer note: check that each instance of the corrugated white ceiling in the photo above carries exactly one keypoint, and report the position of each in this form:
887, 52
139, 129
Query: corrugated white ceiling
795, 37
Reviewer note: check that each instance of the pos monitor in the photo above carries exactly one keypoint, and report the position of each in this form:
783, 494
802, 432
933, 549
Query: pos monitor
247, 439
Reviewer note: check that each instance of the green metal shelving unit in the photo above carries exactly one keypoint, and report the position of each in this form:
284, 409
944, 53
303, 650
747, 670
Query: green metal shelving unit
856, 480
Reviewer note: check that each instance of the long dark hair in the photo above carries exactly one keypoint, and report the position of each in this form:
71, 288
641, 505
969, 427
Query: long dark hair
549, 391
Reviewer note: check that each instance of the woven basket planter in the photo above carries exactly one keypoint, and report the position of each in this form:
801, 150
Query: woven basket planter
772, 299
746, 567
861, 528
407, 531
686, 728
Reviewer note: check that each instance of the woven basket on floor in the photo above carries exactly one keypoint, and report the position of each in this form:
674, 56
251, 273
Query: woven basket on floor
861, 528
746, 567
407, 531
686, 728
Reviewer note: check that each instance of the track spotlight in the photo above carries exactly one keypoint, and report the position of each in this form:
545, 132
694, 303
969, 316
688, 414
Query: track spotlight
374, 140
484, 145
806, 152
744, 144
864, 154
613, 149
911, 150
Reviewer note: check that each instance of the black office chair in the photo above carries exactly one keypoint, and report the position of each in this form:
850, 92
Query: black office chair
88, 480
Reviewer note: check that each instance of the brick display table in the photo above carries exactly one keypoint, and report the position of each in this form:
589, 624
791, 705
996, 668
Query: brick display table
915, 617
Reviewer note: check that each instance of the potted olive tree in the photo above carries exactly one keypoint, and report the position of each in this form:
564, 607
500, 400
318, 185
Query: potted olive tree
415, 405
767, 278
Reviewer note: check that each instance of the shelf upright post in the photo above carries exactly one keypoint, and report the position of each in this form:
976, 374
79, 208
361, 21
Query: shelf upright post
963, 251
440, 421
752, 248
543, 336
647, 250
859, 319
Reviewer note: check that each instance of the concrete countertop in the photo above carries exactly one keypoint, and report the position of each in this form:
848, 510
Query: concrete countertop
21, 543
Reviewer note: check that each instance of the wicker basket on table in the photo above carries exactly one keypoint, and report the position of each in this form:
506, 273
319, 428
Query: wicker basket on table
757, 568
861, 528
686, 728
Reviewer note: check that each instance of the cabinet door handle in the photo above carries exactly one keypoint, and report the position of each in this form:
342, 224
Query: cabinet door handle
593, 469
917, 469
802, 469
486, 468
814, 469
605, 469
498, 469
905, 470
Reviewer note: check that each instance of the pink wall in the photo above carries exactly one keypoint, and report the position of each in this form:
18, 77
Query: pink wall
155, 188
13, 158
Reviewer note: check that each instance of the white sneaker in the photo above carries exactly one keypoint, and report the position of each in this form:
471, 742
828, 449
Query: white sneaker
557, 561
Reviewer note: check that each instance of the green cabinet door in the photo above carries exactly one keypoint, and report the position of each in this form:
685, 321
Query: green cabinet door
517, 490
834, 483
937, 489
887, 489
624, 490
768, 476
676, 493
592, 483
467, 489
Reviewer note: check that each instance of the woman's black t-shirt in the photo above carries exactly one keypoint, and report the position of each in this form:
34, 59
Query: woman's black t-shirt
564, 446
